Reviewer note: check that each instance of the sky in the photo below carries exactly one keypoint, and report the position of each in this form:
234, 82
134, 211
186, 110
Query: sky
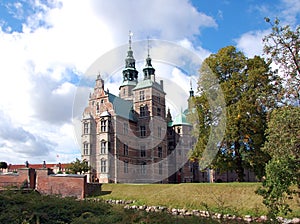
48, 47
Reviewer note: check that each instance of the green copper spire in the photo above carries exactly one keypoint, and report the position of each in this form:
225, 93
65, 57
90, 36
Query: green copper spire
148, 70
130, 73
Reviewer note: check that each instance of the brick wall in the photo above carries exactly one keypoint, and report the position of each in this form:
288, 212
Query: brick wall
46, 182
65, 185
17, 179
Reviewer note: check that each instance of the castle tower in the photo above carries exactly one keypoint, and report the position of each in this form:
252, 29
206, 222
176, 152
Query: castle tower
130, 75
149, 105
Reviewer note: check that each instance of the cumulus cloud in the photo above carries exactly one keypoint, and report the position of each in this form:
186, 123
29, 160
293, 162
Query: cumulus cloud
52, 47
20, 143
251, 43
170, 19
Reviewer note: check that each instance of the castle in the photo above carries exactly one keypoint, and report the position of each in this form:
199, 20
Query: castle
132, 137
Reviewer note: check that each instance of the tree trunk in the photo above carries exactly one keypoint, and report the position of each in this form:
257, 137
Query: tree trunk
239, 163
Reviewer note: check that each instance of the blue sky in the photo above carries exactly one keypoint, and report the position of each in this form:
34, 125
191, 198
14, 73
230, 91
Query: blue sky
46, 47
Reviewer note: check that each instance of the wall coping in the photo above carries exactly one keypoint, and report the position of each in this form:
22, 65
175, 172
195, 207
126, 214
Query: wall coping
67, 175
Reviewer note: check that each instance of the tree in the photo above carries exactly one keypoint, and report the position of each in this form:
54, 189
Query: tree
3, 165
248, 92
79, 167
282, 45
283, 171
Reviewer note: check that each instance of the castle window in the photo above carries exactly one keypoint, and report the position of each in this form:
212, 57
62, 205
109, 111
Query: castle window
142, 131
85, 148
103, 147
159, 151
158, 98
102, 101
160, 170
179, 152
142, 111
158, 111
143, 168
103, 166
143, 151
85, 128
125, 166
159, 132
97, 108
125, 128
124, 91
125, 150
178, 130
142, 95
103, 125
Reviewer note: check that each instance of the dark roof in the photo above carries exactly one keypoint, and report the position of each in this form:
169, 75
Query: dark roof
122, 108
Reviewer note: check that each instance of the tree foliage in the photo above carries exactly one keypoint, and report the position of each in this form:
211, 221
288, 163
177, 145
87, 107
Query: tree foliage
283, 171
79, 166
248, 91
282, 45
3, 165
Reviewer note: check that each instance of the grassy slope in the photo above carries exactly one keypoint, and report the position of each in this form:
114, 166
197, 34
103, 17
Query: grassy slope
234, 198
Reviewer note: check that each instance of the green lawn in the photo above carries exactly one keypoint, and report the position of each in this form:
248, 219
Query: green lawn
233, 198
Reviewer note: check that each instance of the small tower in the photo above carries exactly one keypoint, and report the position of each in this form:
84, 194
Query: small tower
130, 74
149, 71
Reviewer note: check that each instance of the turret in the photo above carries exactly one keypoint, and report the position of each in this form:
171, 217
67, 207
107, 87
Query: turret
130, 74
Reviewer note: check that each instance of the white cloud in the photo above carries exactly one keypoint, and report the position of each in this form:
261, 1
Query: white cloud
251, 43
170, 19
57, 44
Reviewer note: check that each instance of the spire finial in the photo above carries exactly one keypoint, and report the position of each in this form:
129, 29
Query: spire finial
130, 35
99, 75
191, 91
148, 47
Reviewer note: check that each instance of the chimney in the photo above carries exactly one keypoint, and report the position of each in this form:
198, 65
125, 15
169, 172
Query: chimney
162, 84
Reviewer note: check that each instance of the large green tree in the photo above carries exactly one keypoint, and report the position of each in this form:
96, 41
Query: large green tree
283, 170
282, 46
3, 165
79, 166
248, 92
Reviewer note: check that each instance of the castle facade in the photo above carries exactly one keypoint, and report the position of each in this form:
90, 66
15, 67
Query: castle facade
132, 137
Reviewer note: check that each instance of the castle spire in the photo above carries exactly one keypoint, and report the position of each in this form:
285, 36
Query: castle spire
130, 73
149, 70
191, 90
130, 36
